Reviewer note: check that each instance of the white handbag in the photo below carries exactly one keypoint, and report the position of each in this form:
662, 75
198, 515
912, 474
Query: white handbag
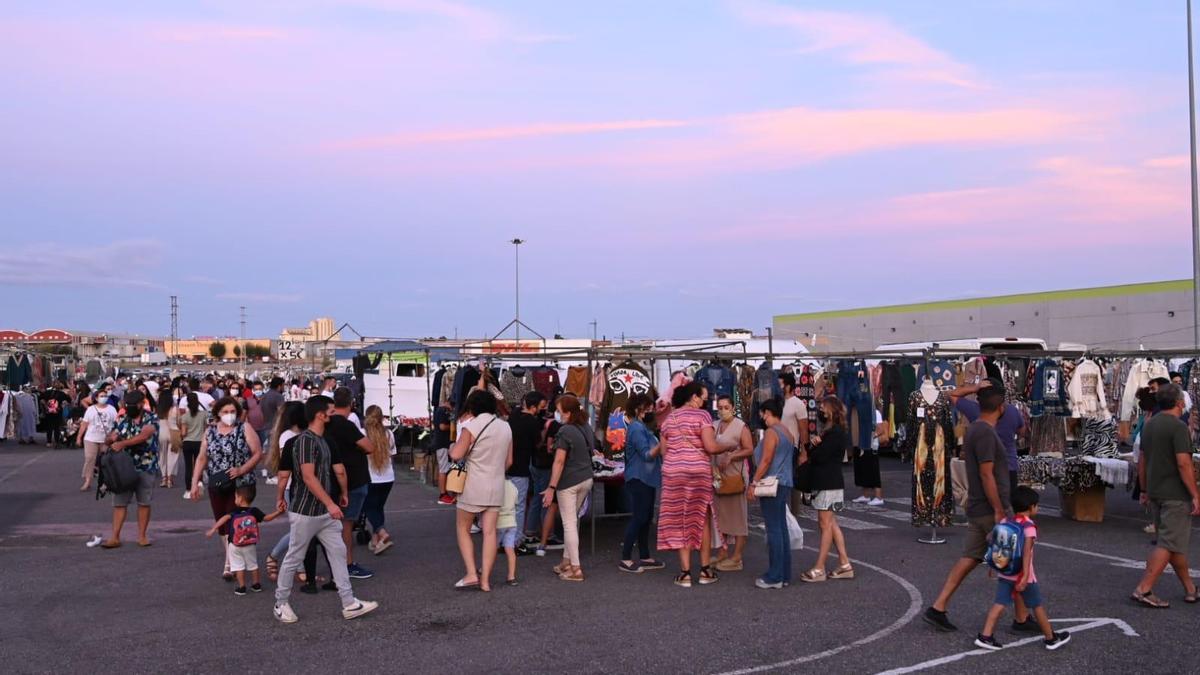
767, 487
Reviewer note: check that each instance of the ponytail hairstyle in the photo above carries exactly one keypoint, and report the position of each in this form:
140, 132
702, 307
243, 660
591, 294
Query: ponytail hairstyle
571, 410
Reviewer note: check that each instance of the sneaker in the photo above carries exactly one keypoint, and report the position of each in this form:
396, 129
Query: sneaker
532, 540
357, 571
330, 585
684, 580
310, 588
875, 502
475, 529
1027, 626
256, 588
862, 500
760, 583
938, 620
1058, 640
445, 499
240, 590
187, 494
359, 608
987, 642
285, 614
272, 481
632, 568
554, 544
524, 550
540, 551
650, 565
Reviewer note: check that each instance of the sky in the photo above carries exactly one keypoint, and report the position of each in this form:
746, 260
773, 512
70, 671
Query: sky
674, 166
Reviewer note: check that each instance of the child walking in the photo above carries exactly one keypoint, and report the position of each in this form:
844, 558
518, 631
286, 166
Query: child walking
1024, 583
507, 531
243, 537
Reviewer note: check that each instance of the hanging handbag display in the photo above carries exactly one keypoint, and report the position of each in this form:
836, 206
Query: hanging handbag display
456, 478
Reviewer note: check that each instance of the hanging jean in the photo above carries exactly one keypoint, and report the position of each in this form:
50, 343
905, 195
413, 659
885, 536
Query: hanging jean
854, 390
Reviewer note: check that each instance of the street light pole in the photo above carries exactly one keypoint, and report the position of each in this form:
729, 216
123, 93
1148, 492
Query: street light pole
517, 285
1195, 197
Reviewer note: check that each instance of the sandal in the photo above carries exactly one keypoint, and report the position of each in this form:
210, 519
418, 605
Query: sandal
707, 576
562, 567
813, 576
1150, 600
272, 568
573, 574
464, 585
684, 580
843, 572
1192, 597
110, 543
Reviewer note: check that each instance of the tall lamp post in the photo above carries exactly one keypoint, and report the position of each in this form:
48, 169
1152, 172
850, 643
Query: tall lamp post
516, 242
1195, 197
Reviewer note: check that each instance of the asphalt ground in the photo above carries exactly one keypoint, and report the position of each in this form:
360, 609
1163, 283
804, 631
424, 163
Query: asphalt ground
68, 608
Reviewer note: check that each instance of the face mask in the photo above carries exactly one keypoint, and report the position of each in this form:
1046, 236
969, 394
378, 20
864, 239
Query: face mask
228, 419
726, 415
258, 393
822, 417
558, 417
233, 392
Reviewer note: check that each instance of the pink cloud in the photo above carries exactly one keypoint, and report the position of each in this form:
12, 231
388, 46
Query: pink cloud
1105, 199
216, 32
861, 39
486, 134
1171, 162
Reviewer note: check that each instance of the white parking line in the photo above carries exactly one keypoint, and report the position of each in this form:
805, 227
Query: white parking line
1117, 561
846, 523
1076, 629
915, 602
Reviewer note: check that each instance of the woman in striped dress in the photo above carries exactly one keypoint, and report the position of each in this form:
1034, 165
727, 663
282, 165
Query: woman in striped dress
687, 488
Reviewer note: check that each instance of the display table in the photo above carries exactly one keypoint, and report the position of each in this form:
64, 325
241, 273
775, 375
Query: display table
1081, 489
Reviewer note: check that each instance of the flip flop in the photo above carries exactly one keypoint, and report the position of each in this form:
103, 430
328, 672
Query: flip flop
1150, 600
462, 585
1193, 597
110, 544
145, 544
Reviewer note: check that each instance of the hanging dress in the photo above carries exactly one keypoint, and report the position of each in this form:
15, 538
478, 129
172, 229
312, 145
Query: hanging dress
930, 438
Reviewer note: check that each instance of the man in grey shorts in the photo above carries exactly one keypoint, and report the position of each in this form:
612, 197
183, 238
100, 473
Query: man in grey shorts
988, 492
1168, 484
137, 435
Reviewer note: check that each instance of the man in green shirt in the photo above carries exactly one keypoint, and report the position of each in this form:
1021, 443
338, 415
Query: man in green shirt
1169, 487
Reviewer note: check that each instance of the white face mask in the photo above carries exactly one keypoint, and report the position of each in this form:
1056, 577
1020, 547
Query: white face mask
558, 416
233, 392
228, 419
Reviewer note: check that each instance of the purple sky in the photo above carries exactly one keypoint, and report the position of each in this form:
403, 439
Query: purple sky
675, 166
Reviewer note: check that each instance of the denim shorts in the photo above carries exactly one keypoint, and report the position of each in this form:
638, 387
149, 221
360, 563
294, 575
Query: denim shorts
1006, 589
357, 496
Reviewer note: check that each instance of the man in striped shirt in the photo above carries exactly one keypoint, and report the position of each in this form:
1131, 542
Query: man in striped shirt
314, 514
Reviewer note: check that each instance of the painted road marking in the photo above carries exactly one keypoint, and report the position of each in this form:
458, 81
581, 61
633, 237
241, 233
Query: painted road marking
1115, 560
915, 602
1088, 624
846, 523
17, 470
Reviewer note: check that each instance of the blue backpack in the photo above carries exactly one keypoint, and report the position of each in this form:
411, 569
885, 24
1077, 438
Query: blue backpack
1006, 548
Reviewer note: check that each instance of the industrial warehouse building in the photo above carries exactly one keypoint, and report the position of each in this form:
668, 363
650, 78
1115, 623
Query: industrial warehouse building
1155, 315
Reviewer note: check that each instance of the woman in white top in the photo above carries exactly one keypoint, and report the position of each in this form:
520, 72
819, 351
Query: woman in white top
383, 475
485, 444
99, 419
168, 451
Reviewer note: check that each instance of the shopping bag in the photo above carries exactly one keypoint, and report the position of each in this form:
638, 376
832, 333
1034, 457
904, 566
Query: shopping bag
795, 534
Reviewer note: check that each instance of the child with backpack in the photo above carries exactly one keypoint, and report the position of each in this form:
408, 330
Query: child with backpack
243, 537
1010, 555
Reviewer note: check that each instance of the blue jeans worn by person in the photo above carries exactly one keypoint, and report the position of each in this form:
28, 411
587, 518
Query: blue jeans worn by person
540, 480
516, 538
779, 545
377, 496
641, 497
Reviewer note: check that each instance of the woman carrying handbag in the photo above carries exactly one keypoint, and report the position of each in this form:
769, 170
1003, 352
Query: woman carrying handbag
772, 487
484, 446
733, 435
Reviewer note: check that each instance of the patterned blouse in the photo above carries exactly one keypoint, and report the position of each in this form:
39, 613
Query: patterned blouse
145, 455
228, 451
